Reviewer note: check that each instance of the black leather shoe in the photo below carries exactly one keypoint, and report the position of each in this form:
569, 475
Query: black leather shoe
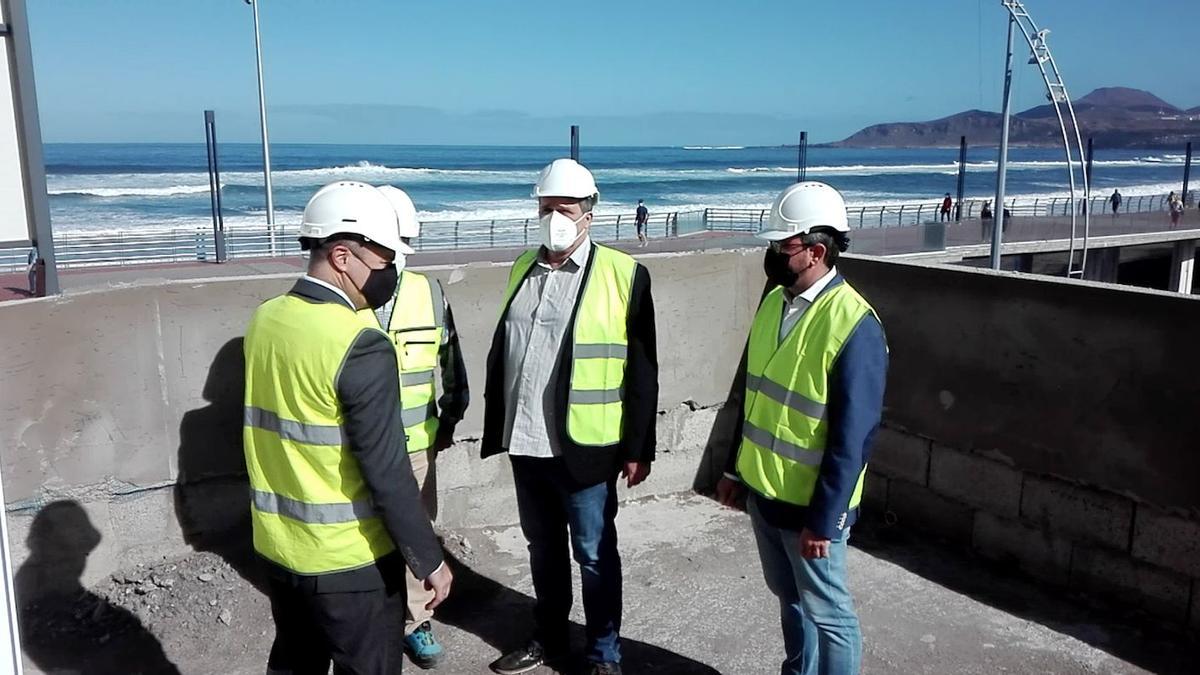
605, 669
525, 659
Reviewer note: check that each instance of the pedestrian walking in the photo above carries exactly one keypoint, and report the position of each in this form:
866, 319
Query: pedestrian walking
641, 219
1175, 206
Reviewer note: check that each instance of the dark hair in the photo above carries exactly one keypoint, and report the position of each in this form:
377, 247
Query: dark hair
834, 242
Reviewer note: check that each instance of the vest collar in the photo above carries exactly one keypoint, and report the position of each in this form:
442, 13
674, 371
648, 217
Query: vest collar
826, 282
580, 256
316, 291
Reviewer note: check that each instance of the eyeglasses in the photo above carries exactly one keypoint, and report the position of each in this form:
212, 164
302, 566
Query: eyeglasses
777, 247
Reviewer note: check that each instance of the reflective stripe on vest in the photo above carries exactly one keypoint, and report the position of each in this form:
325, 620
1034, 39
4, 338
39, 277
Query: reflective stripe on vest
787, 388
600, 344
416, 328
310, 507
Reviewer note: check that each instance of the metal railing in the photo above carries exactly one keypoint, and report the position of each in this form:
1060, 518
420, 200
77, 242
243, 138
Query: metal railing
168, 245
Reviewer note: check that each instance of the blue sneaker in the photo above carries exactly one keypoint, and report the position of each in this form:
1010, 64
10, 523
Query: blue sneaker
423, 647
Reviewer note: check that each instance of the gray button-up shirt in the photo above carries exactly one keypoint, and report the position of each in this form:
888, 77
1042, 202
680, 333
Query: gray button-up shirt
534, 327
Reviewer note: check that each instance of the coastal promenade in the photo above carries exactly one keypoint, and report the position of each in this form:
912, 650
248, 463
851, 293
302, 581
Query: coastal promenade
933, 242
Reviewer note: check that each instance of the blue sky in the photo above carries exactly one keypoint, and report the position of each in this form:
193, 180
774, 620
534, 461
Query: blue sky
648, 72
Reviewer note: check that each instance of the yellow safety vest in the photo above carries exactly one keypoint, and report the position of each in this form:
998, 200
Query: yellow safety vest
417, 328
787, 389
595, 402
310, 508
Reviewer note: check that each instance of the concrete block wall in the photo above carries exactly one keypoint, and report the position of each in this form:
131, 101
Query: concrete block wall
1059, 531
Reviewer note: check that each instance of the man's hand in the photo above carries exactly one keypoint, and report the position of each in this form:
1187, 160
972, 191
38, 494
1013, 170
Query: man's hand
731, 493
635, 472
439, 582
442, 441
812, 546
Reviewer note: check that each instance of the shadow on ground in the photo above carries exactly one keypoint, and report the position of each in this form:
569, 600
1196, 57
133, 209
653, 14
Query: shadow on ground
502, 618
1125, 634
1130, 636
65, 627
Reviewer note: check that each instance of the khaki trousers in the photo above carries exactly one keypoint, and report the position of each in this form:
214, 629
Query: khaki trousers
424, 465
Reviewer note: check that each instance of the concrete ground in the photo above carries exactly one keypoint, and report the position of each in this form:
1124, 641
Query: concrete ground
695, 603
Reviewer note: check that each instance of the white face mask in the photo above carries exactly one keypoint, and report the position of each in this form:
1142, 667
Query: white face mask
559, 231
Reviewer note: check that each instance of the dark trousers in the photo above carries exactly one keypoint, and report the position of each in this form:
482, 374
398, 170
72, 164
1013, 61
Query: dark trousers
554, 509
351, 629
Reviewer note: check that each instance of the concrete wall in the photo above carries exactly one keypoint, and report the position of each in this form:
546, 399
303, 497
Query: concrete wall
1087, 381
1015, 405
128, 401
1048, 425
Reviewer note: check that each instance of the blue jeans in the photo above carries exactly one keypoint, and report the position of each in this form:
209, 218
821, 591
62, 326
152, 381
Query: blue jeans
550, 504
821, 635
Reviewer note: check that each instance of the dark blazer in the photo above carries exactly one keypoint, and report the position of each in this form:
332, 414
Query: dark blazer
368, 389
591, 465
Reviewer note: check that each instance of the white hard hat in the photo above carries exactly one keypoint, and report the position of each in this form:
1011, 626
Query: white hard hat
565, 178
350, 207
406, 213
804, 206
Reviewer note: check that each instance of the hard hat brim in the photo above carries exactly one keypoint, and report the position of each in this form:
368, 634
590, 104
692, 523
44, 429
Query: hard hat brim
539, 195
778, 235
397, 245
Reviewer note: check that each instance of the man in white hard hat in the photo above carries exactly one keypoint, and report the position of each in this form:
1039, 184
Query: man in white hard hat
336, 512
572, 395
814, 372
421, 325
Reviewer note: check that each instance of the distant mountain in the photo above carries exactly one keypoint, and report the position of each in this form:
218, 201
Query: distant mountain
1124, 97
1114, 116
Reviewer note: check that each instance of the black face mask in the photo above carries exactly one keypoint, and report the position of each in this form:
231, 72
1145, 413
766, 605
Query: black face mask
380, 286
775, 264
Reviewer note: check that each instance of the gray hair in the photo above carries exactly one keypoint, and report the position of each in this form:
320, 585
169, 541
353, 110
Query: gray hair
834, 242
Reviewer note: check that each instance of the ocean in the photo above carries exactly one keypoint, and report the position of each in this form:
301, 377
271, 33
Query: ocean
105, 187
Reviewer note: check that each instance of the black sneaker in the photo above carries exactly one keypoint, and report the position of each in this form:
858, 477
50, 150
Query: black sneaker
525, 659
606, 668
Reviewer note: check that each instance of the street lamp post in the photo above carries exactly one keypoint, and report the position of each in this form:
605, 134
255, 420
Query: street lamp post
266, 143
1002, 164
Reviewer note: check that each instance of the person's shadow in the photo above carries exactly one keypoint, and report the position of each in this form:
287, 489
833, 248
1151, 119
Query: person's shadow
726, 429
502, 617
212, 490
65, 627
